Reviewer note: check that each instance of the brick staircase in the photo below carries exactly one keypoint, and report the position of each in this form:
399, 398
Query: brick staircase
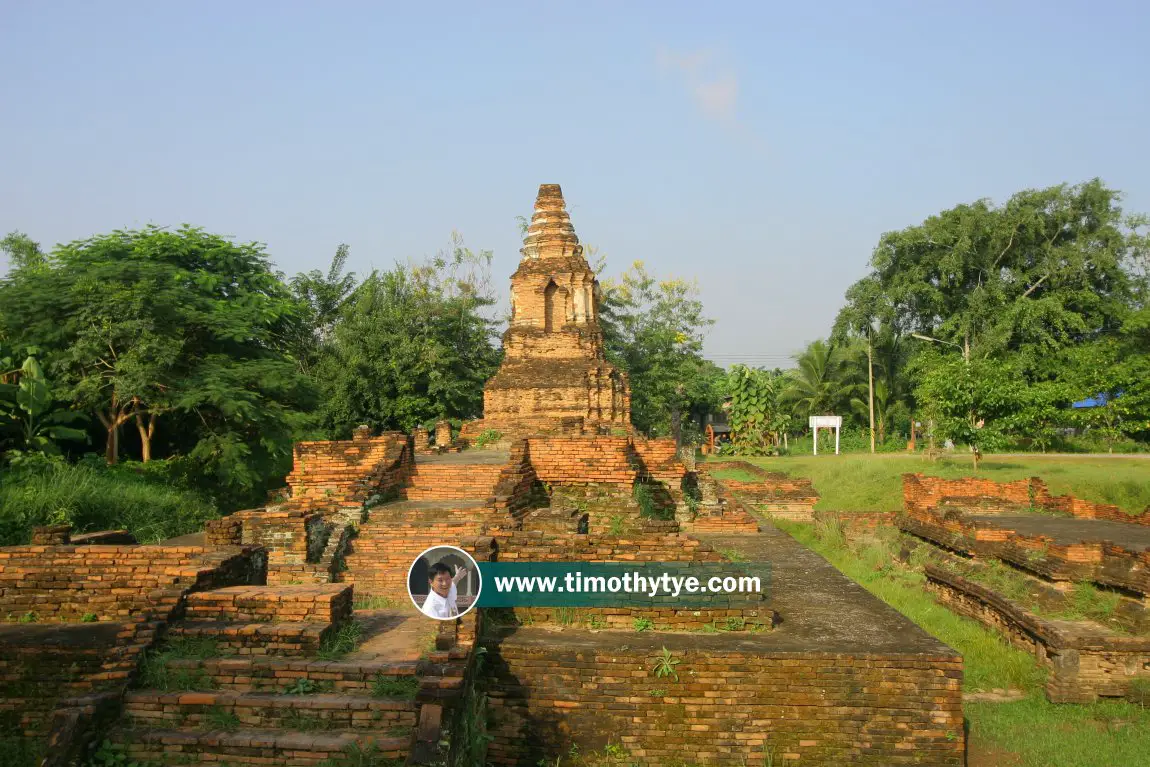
452, 476
259, 693
448, 500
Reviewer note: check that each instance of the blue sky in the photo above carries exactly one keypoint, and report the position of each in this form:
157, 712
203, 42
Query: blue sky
761, 148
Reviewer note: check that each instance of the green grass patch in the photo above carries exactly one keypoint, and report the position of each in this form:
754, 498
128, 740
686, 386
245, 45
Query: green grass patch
18, 751
1043, 734
157, 673
92, 498
219, 718
374, 602
874, 483
735, 475
404, 687
345, 640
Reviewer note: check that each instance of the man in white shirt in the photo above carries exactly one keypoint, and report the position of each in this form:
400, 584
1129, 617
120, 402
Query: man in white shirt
442, 594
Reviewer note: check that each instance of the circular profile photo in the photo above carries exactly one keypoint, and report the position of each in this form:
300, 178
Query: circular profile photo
444, 582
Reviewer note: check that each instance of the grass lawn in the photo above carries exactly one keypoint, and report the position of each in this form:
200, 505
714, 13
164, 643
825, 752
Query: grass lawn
1027, 733
873, 483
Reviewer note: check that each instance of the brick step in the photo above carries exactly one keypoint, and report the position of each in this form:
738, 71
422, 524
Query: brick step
262, 673
327, 603
281, 748
284, 639
448, 481
323, 712
397, 513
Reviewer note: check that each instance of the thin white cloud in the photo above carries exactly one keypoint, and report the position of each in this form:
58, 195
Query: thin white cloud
712, 86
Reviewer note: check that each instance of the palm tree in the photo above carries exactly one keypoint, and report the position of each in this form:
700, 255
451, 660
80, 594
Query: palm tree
889, 408
823, 381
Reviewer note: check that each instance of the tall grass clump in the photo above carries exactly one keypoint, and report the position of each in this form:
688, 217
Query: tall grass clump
91, 497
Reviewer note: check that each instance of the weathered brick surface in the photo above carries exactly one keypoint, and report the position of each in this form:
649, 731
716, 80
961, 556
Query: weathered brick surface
921, 492
1104, 563
330, 473
126, 583
772, 493
251, 746
1085, 661
151, 708
273, 674
724, 707
433, 482
329, 603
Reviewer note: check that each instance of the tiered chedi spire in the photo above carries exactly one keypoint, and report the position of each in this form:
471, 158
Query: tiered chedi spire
554, 377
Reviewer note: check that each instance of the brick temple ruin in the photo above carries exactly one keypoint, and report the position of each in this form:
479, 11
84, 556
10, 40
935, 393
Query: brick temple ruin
224, 648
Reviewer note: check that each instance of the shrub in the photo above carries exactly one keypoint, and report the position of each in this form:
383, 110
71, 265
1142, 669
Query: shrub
487, 437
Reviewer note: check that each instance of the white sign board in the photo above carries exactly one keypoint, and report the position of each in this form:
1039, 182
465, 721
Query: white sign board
829, 421
825, 422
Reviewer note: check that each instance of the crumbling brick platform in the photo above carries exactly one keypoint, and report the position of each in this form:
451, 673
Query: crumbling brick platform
823, 688
1057, 544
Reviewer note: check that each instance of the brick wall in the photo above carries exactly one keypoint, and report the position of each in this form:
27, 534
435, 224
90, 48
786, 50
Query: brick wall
582, 460
328, 474
1102, 562
130, 590
725, 706
516, 480
1085, 662
123, 583
923, 492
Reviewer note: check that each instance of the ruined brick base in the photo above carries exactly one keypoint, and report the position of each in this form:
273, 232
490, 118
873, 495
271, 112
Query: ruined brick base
721, 705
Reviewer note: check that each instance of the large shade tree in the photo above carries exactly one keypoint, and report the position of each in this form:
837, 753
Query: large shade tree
146, 326
410, 345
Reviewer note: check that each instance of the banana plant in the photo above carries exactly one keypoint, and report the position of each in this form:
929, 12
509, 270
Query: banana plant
29, 407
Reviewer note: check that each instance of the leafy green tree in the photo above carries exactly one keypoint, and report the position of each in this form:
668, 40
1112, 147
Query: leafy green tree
23, 252
153, 323
653, 329
1119, 383
1049, 268
412, 345
970, 401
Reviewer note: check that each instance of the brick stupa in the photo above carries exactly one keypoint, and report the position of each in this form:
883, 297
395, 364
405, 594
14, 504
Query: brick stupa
554, 378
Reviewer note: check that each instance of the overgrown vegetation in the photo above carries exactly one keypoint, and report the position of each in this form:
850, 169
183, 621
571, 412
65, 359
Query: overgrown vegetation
90, 496
343, 641
157, 672
395, 687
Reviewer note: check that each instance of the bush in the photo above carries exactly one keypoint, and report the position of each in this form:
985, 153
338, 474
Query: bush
91, 497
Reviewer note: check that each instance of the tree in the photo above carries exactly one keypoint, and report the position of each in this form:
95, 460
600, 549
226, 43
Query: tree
758, 422
866, 308
969, 400
1049, 268
1118, 384
184, 324
653, 329
22, 251
822, 382
322, 298
412, 345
